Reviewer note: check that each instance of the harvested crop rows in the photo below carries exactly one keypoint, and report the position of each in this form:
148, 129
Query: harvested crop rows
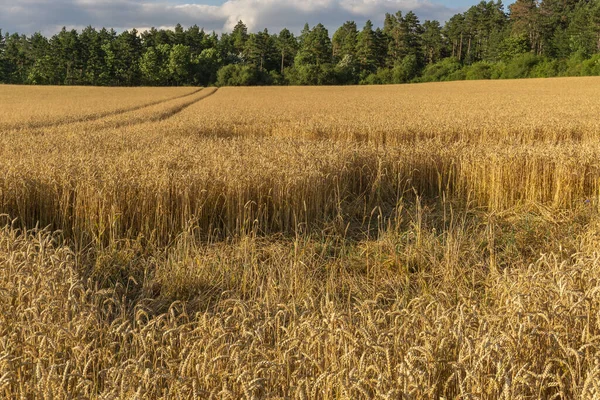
418, 241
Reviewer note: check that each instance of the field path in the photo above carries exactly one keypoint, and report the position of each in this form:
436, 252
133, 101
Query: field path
148, 115
157, 112
99, 116
177, 109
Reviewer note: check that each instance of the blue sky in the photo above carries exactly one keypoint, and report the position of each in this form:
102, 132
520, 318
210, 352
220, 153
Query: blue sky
48, 16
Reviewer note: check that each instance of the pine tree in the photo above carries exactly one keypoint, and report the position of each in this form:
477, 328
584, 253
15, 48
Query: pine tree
178, 35
315, 47
2, 58
239, 36
195, 39
344, 41
288, 47
260, 50
366, 49
66, 50
525, 18
433, 41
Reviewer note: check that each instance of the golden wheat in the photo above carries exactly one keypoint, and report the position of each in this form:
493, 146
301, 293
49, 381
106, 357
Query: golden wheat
39, 106
418, 241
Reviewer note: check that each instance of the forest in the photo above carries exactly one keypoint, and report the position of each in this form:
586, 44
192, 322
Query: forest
527, 39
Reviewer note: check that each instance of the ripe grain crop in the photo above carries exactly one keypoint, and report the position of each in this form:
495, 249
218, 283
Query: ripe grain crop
533, 111
41, 106
417, 241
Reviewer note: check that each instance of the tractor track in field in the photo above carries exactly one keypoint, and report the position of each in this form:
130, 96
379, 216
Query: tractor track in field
96, 117
162, 115
176, 110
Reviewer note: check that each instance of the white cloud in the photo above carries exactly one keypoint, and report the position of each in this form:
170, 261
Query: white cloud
28, 16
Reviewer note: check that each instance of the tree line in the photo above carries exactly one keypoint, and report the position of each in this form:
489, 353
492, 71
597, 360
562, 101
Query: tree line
531, 38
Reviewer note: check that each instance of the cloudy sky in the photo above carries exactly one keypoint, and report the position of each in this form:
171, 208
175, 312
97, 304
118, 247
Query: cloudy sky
48, 16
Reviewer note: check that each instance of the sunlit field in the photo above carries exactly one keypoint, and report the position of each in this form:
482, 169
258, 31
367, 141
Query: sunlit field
45, 106
417, 241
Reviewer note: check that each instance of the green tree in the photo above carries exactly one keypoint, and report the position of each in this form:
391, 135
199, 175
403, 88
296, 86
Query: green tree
366, 49
123, 55
583, 32
150, 67
525, 18
67, 51
484, 26
484, 42
178, 35
154, 37
454, 32
17, 60
2, 58
381, 47
554, 20
433, 41
154, 65
315, 47
260, 50
394, 37
238, 75
93, 56
180, 64
412, 29
404, 37
288, 47
304, 34
239, 36
513, 46
195, 39
207, 65
42, 68
312, 64
344, 42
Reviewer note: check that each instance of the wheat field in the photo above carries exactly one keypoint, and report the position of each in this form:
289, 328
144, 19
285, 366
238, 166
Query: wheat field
430, 241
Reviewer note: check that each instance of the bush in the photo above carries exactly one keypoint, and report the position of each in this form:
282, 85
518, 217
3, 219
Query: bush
546, 69
591, 67
479, 70
441, 71
310, 74
382, 77
574, 64
498, 70
241, 75
521, 66
458, 75
406, 71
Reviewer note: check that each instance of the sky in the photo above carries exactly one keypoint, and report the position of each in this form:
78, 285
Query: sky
49, 16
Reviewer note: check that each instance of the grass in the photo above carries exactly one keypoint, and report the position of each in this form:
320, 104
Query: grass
417, 241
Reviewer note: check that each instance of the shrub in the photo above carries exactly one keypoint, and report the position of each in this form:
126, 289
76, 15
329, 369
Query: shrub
479, 70
591, 67
240, 75
521, 66
441, 71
